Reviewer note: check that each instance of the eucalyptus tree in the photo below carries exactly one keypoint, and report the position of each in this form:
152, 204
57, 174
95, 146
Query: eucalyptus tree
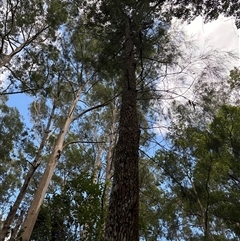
44, 126
128, 43
12, 136
26, 26
199, 169
201, 175
50, 71
131, 40
71, 75
16, 140
136, 34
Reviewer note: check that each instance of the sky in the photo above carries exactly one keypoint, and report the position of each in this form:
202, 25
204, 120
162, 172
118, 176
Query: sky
220, 34
209, 46
21, 102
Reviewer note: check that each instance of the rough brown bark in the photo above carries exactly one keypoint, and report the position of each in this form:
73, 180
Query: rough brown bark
122, 221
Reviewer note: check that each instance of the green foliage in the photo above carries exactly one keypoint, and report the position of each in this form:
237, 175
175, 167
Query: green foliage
57, 12
202, 171
81, 44
210, 10
11, 127
43, 226
16, 162
234, 78
12, 135
65, 215
150, 204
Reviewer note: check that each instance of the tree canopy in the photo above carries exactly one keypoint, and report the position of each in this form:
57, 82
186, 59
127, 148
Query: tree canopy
88, 163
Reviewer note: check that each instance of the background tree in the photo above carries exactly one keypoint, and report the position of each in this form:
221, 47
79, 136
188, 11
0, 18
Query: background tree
26, 27
197, 167
11, 128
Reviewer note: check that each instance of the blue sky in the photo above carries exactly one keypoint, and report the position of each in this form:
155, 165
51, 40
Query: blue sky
21, 102
221, 34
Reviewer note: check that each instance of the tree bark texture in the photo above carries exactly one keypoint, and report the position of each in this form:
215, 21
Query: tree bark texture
122, 220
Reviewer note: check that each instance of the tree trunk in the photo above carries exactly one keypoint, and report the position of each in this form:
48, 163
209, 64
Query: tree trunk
108, 169
122, 221
17, 226
108, 174
34, 209
97, 164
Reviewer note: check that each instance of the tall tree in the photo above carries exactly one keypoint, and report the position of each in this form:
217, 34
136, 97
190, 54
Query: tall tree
10, 165
73, 63
136, 33
138, 26
202, 172
199, 162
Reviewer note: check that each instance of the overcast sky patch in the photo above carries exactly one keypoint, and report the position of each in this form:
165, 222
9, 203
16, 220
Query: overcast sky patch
221, 34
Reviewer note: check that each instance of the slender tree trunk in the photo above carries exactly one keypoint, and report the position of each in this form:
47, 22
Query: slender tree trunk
34, 209
84, 230
108, 174
122, 221
34, 165
204, 209
108, 169
97, 165
18, 225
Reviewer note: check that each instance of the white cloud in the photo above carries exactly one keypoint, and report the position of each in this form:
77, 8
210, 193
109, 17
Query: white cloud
204, 49
221, 34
